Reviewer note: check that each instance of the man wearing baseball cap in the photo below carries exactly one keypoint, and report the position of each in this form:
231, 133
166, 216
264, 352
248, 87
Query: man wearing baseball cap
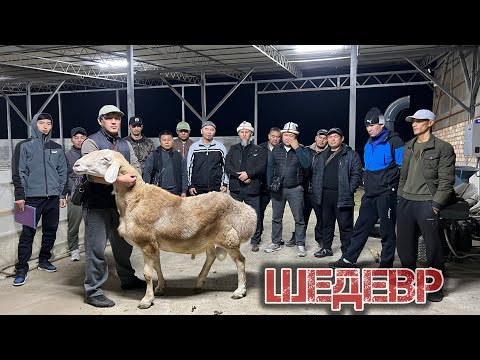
183, 142
245, 164
383, 158
102, 218
142, 146
426, 186
74, 212
336, 176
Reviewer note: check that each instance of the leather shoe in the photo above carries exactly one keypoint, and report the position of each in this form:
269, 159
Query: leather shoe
136, 283
100, 301
255, 247
323, 252
436, 296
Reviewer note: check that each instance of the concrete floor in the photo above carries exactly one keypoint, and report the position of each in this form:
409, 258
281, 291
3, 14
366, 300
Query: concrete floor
62, 292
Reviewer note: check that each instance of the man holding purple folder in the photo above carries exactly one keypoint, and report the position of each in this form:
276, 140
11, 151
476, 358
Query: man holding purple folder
39, 175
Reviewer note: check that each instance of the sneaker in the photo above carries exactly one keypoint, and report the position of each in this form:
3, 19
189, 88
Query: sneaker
255, 247
301, 251
292, 242
47, 266
272, 247
75, 255
323, 252
136, 283
100, 301
20, 279
436, 296
341, 264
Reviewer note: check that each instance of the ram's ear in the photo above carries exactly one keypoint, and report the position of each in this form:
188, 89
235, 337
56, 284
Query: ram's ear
112, 172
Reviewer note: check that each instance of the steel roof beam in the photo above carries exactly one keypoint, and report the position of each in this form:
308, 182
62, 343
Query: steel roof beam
186, 54
273, 54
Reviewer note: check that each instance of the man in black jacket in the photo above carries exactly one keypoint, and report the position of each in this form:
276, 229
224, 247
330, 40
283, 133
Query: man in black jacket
288, 161
336, 176
245, 164
166, 167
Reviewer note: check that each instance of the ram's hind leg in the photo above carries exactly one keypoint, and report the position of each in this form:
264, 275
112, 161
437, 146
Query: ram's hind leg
239, 260
211, 256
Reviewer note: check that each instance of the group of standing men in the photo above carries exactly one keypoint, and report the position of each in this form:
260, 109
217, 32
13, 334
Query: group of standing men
322, 177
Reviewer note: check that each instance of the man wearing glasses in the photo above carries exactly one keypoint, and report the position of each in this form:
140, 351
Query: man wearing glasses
142, 146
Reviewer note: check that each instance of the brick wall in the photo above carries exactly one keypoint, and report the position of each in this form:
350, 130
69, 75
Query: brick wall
454, 135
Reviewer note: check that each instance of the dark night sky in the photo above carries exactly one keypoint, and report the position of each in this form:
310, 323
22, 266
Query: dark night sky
161, 109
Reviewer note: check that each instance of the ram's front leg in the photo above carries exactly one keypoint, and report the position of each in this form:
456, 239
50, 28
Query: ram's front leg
150, 256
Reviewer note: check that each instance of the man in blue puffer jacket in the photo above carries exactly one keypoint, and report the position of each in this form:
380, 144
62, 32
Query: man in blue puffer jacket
383, 159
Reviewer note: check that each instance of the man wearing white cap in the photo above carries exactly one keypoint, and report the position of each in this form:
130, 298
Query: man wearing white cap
245, 164
101, 214
287, 163
426, 186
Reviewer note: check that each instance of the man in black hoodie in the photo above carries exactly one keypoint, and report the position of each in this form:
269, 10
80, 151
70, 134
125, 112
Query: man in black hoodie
383, 159
39, 175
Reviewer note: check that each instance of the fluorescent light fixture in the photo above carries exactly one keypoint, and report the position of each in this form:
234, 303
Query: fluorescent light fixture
4, 78
117, 63
323, 59
318, 48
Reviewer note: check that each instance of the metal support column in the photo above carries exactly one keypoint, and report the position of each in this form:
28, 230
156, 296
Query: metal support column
60, 120
353, 96
255, 114
29, 109
203, 96
183, 104
130, 84
117, 103
9, 132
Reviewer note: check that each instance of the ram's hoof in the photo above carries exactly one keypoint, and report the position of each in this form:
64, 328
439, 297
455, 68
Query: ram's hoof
159, 292
145, 305
239, 294
197, 290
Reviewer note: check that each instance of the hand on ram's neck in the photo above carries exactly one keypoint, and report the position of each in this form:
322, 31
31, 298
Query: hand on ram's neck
127, 179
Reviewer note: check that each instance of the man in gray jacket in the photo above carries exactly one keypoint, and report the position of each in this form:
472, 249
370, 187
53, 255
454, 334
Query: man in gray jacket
39, 175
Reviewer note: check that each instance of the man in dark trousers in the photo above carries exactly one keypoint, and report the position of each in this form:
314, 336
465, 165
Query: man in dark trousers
316, 149
288, 162
336, 176
274, 137
383, 158
245, 164
101, 214
39, 175
74, 212
426, 186
166, 167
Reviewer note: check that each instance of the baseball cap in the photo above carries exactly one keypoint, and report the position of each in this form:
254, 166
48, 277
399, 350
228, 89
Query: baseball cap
422, 114
374, 116
290, 127
78, 130
135, 120
335, 131
208, 123
183, 125
109, 109
322, 132
245, 125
